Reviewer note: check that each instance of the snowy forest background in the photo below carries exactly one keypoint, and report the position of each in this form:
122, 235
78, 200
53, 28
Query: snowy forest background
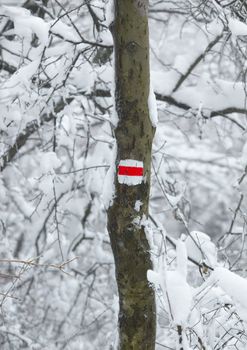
57, 283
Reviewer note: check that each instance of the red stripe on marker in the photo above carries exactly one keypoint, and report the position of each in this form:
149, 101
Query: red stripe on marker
130, 170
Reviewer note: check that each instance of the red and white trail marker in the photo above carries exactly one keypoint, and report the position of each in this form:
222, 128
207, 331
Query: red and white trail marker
130, 172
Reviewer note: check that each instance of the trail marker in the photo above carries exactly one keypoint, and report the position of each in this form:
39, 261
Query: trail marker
130, 172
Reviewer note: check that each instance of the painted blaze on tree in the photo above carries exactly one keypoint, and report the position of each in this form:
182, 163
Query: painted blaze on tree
134, 135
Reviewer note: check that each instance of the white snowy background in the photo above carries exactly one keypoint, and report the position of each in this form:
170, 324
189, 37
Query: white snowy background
57, 148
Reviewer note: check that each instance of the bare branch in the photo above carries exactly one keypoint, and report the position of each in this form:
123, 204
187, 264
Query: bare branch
32, 127
196, 62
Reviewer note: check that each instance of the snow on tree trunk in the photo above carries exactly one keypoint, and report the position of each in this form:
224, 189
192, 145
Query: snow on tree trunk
134, 136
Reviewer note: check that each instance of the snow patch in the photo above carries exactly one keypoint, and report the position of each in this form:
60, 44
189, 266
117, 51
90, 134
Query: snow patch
109, 184
232, 284
49, 161
152, 106
236, 27
201, 248
176, 291
25, 24
138, 205
180, 297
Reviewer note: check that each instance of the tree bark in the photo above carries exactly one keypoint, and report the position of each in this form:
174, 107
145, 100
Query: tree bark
134, 135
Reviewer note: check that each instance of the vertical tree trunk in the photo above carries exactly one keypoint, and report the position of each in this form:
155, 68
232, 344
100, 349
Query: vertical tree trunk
134, 136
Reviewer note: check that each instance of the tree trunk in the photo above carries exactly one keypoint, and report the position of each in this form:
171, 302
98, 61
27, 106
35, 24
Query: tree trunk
134, 135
